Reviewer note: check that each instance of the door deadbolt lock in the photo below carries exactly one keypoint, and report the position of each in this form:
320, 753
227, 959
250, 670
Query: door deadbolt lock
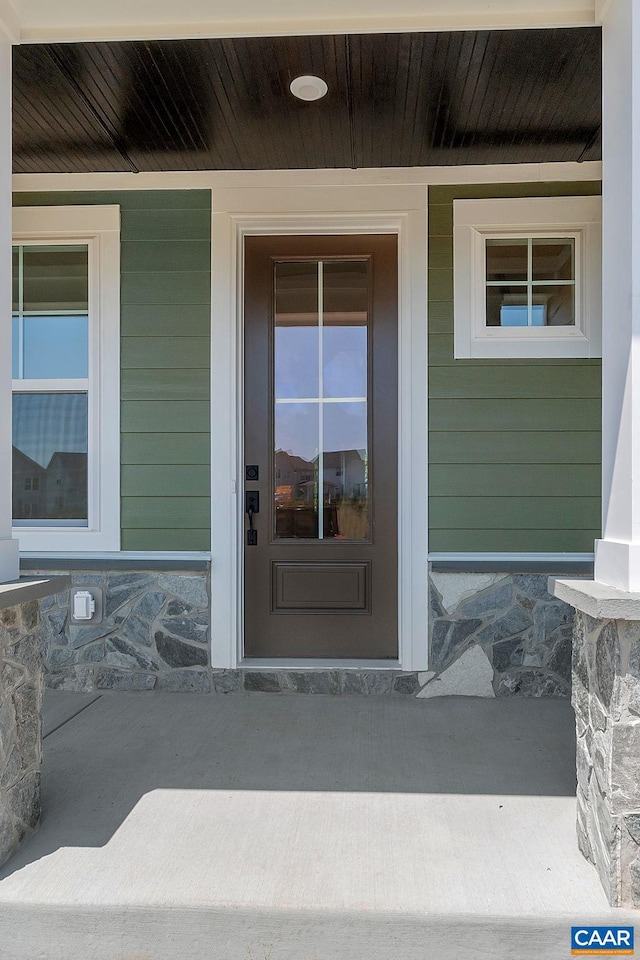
252, 472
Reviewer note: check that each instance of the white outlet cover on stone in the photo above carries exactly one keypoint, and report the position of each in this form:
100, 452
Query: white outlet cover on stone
470, 676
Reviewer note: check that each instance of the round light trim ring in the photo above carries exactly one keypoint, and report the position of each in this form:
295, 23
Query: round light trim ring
308, 88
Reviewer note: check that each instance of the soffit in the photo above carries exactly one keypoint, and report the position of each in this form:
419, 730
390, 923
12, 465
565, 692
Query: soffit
415, 99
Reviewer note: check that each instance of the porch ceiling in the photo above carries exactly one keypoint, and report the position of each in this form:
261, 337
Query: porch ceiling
413, 99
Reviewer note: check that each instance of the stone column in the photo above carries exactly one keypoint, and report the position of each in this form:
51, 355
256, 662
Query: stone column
606, 647
606, 699
618, 552
8, 547
21, 686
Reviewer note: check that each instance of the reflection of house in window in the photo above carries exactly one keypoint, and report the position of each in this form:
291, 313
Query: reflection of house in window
346, 511
344, 495
345, 473
67, 473
28, 491
295, 510
291, 473
55, 492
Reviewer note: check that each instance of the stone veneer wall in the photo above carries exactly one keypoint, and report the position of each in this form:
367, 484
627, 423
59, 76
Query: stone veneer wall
20, 725
606, 700
500, 635
490, 635
154, 635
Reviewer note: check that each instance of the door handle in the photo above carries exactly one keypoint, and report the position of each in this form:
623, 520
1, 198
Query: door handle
252, 506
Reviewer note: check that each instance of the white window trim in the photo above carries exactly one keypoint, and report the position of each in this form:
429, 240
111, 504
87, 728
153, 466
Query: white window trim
99, 228
474, 222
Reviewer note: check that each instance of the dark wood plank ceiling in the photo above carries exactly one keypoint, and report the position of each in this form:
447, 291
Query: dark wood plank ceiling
419, 99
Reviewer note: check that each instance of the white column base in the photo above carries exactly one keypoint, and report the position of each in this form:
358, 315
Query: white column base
617, 563
9, 560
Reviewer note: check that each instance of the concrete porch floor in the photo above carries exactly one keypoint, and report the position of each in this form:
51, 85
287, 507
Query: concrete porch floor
275, 827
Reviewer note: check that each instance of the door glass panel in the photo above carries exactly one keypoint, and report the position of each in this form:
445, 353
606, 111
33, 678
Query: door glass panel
344, 328
296, 345
345, 467
296, 470
321, 409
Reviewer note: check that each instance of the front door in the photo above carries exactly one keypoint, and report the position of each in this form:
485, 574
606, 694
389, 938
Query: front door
321, 447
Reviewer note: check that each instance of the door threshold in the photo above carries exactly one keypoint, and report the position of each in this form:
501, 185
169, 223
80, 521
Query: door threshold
269, 663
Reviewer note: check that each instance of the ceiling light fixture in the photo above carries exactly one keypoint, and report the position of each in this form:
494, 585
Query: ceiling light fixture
308, 88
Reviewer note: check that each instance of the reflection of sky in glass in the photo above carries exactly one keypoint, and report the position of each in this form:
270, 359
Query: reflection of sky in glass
47, 423
296, 429
345, 426
296, 362
56, 347
345, 361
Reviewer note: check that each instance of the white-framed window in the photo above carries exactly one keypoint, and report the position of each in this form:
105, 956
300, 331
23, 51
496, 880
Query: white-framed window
527, 277
66, 380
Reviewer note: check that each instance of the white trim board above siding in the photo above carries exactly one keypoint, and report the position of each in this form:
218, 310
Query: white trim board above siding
74, 20
239, 179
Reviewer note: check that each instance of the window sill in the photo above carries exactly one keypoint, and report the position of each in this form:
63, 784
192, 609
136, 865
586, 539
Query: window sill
523, 348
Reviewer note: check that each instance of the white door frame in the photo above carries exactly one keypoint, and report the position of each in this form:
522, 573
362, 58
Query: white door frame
241, 213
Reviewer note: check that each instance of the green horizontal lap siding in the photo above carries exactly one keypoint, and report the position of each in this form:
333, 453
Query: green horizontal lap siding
514, 445
178, 448
164, 353
161, 320
165, 297
488, 447
509, 414
181, 384
165, 513
159, 416
162, 480
450, 480
180, 538
488, 382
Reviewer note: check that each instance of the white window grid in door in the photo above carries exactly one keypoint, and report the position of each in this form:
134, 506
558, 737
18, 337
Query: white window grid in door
320, 401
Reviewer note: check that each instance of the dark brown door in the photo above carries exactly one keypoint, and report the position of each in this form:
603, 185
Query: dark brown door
321, 432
